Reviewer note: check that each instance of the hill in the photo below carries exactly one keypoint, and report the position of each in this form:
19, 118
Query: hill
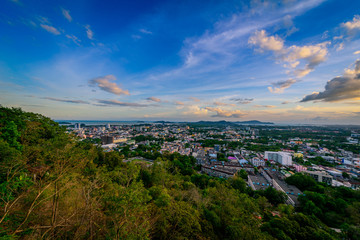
53, 186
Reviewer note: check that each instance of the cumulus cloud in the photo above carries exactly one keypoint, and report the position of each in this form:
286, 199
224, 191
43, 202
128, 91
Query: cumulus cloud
353, 25
280, 86
65, 100
272, 43
89, 32
196, 110
154, 99
225, 113
105, 84
310, 55
121, 104
66, 14
339, 88
242, 100
50, 29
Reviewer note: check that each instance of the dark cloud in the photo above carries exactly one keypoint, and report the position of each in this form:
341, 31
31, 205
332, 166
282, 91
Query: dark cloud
319, 119
121, 104
242, 100
280, 86
154, 99
65, 100
339, 88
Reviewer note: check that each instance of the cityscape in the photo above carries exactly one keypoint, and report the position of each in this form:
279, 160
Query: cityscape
176, 120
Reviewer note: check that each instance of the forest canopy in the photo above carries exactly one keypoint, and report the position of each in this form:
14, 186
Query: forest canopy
54, 186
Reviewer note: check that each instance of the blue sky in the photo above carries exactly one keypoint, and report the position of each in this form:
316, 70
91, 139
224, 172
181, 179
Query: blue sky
284, 61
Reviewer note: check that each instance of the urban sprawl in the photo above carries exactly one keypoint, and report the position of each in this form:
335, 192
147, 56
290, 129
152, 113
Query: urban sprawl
266, 154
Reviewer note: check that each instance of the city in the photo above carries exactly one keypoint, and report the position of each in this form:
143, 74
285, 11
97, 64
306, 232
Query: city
180, 120
223, 151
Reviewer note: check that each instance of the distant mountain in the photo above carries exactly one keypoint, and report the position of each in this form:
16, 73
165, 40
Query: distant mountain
254, 122
163, 122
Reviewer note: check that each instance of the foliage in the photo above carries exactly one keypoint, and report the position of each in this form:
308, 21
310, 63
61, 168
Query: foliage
54, 186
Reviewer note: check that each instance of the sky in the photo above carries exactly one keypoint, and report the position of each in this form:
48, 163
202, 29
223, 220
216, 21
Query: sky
285, 61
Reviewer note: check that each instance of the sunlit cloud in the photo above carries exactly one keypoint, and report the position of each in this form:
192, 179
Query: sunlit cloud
339, 88
179, 103
153, 99
225, 113
105, 84
223, 104
311, 55
194, 99
353, 25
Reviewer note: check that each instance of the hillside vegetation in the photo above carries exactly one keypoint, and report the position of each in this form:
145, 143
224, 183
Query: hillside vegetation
53, 186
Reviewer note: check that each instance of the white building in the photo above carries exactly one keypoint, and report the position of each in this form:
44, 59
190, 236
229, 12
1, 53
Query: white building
257, 162
284, 158
320, 176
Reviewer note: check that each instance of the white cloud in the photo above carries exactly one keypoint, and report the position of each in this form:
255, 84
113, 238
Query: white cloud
272, 43
357, 52
196, 110
50, 29
74, 39
352, 25
66, 14
310, 55
142, 30
104, 84
226, 113
89, 32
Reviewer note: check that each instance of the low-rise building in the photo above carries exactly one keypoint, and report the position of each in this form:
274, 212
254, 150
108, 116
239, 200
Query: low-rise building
320, 176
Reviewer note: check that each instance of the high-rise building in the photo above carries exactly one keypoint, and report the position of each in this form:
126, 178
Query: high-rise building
284, 158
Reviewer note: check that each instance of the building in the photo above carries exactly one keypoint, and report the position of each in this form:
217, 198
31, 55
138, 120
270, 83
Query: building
320, 176
284, 158
107, 140
257, 162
